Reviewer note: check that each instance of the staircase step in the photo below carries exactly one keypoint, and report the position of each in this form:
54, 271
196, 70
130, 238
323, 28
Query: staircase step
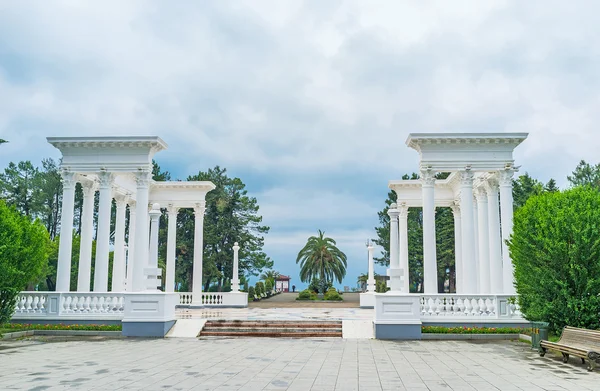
270, 334
272, 329
274, 325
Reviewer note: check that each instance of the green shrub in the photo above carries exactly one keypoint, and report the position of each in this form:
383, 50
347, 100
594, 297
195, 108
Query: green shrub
555, 248
269, 286
257, 289
24, 248
473, 330
319, 285
307, 295
262, 287
333, 295
381, 287
251, 292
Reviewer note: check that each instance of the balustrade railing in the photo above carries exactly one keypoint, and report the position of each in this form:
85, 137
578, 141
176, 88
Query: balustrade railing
215, 299
468, 306
107, 305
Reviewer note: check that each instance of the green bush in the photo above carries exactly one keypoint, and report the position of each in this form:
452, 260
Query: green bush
257, 289
333, 295
262, 287
319, 285
381, 287
269, 286
24, 247
251, 292
555, 247
307, 294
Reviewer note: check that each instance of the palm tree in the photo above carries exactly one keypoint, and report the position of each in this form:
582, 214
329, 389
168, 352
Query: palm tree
320, 258
270, 275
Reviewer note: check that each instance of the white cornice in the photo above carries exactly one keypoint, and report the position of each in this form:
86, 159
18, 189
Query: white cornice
416, 140
155, 143
190, 185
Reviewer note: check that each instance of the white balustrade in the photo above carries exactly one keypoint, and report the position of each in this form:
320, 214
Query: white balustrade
215, 299
468, 306
57, 305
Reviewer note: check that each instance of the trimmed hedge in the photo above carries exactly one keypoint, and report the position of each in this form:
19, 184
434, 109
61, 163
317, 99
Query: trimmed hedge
473, 330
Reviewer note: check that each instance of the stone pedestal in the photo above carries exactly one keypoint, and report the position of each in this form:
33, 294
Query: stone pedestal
237, 299
367, 300
149, 314
397, 316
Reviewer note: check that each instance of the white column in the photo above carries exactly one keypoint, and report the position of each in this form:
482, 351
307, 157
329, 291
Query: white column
140, 254
63, 267
171, 248
371, 277
197, 274
131, 246
458, 266
469, 278
494, 241
103, 236
429, 242
394, 271
235, 278
118, 273
403, 247
484, 248
506, 209
84, 275
476, 240
154, 213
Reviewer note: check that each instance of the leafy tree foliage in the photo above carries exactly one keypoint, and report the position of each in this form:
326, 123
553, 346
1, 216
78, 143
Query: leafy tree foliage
2, 141
321, 258
555, 247
231, 216
23, 254
524, 187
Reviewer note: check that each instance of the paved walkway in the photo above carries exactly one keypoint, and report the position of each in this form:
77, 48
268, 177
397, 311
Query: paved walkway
288, 300
284, 364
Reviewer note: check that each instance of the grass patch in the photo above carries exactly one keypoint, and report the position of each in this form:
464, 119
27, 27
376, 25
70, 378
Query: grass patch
473, 330
14, 327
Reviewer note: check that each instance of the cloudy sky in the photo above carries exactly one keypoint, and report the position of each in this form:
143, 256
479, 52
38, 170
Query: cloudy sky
309, 102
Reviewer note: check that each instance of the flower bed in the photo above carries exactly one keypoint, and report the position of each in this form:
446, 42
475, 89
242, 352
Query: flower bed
14, 327
474, 330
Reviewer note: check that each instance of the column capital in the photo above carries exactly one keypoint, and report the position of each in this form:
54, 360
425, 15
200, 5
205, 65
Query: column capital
105, 179
121, 200
88, 187
236, 247
200, 208
69, 178
402, 210
480, 194
155, 211
466, 177
455, 209
505, 176
427, 177
132, 205
393, 212
142, 178
172, 210
491, 185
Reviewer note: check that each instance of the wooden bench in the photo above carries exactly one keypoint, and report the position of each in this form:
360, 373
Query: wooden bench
581, 343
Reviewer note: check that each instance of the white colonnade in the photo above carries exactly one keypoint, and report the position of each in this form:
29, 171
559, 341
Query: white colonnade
119, 169
477, 165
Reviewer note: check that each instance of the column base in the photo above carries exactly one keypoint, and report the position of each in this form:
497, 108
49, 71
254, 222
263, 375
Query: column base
409, 332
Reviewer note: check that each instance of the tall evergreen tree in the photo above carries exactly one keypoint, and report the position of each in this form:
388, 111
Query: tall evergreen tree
585, 174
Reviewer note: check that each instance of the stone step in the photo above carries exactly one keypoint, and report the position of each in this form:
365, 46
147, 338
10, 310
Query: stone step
270, 334
300, 325
273, 329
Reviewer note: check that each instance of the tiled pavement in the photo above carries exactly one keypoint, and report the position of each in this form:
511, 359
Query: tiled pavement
284, 364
